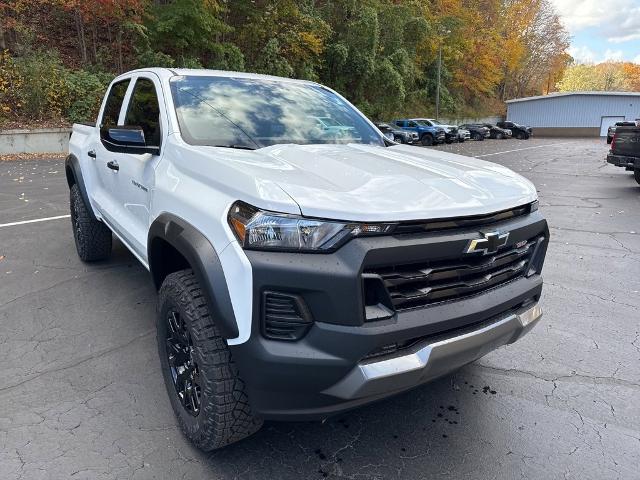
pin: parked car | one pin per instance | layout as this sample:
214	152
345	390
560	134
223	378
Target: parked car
477	131
497	132
301	271
612	129
520	132
397	134
451	131
463	134
427	134
625	149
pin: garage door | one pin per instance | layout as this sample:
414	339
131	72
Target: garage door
606	122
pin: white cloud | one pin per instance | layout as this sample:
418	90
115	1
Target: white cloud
617	20
626	38
637	59
582	54
615	55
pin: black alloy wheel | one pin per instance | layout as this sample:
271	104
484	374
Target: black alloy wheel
184	370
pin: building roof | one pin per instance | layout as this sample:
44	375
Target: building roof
565	94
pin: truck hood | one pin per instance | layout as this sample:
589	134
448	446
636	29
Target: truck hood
370	183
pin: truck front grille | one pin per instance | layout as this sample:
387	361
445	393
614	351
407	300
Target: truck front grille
420	284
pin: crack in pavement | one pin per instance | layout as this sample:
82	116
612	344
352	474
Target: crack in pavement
80	361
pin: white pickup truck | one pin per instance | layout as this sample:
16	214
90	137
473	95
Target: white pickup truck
302	269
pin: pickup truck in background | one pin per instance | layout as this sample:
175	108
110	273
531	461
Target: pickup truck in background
612	129
427	134
305	264
625	149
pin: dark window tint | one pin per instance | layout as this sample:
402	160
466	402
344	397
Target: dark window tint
399	123
413	124
144	111
114	103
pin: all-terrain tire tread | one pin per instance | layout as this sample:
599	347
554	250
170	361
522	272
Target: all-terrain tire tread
93	238
226	417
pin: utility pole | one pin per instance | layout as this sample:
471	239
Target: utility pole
438	84
443	34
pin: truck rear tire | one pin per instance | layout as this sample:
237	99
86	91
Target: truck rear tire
636	175
93	238
204	386
427	139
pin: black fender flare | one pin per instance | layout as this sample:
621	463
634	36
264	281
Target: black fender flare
204	262
74	177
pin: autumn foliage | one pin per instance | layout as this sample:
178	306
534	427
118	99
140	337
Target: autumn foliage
381	54
606	76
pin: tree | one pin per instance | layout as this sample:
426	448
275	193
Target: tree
606	76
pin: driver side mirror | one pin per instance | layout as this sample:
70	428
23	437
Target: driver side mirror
126	140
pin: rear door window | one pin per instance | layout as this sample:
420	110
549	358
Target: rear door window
114	103
144	111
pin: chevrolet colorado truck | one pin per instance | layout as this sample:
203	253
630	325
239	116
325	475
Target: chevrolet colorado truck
625	149
301	271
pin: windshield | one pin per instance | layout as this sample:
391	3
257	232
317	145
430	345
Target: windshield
255	113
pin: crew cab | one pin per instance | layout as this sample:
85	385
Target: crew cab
625	149
612	129
427	134
302	269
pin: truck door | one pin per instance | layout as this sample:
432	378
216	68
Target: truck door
136	171
101	178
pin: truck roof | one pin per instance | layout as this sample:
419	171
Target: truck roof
166	73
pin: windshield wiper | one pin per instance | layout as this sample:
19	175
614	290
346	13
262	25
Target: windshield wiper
239	147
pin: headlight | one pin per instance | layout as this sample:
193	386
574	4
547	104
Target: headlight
258	229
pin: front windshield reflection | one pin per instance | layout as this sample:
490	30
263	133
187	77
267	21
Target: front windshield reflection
250	113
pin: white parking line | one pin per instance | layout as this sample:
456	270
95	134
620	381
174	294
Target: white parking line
520	149
35	220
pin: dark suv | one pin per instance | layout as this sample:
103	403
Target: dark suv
520	132
477	131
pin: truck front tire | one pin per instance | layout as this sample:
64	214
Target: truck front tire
206	391
93	238
427	139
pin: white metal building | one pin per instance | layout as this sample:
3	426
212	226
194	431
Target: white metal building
587	114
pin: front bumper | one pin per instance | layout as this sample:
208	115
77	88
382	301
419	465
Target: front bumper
434	358
332	369
623	161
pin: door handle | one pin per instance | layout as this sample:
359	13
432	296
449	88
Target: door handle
92	153
113	165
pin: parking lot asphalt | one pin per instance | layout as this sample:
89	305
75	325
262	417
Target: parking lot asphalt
82	396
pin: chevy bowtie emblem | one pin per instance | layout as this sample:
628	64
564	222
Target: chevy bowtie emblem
491	242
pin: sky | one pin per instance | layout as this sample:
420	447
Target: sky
602	29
